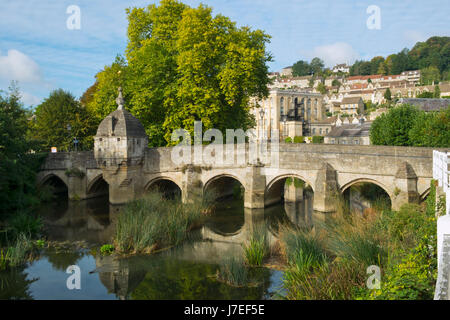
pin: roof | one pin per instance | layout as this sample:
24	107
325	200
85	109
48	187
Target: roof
427	104
121	123
350	130
351	100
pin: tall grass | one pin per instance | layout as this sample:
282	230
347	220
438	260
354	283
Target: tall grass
303	250
257	247
233	271
155	222
17	254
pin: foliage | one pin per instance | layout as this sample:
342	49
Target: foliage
431	57
17	166
426	95
317	139
155	222
431	129
392	128
303	68
429	75
257	247
233	272
388	94
182	65
288	140
107	249
299	139
25	223
54	115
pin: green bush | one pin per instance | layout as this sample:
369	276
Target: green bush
299	139
317	139
288	140
25	223
107	249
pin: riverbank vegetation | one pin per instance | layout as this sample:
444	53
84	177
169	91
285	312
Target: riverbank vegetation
19	196
155	222
330	261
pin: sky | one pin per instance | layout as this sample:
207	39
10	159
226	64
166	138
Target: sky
40	52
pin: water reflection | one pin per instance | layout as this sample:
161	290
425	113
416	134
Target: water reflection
185	272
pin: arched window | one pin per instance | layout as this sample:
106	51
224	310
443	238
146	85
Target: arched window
281	106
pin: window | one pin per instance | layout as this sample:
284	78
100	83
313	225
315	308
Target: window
281	106
320	131
326	130
356	141
314	130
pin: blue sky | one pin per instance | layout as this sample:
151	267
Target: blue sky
38	50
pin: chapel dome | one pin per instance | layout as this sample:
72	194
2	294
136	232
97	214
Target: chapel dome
121	123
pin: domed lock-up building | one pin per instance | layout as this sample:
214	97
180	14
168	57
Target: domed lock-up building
119	149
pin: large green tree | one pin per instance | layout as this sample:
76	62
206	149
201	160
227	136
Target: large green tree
183	64
17	166
392	128
431	129
55	116
301	68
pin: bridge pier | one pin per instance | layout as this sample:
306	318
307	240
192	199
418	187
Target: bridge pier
255	187
405	186
326	189
191	185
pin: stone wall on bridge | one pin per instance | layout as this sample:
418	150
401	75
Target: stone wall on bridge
403	172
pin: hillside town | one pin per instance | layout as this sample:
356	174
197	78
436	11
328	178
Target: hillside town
340	107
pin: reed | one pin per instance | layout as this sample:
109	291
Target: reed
257	247
233	272
155	222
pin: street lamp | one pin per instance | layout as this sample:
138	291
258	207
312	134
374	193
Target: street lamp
261	115
284	119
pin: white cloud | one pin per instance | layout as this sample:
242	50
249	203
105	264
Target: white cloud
339	52
18	66
29	99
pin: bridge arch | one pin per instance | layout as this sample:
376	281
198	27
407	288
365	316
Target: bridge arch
223	185
365	180
56	181
166	185
275	188
361	203
97	187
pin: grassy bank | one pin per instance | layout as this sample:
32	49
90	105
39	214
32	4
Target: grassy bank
155	222
331	260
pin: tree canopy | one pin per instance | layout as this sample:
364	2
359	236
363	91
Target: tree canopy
432	57
54	115
406	125
183	64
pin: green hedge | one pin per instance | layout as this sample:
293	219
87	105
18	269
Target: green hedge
317	139
299	139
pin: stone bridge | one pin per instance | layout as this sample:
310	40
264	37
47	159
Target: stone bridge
403	172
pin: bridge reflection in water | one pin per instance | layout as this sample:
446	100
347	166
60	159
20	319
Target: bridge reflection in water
222	235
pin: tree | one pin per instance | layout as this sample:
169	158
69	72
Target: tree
183	65
55	114
336	83
375	64
317	66
301	68
431	129
392	128
321	88
17	166
429	75
388	94
437	92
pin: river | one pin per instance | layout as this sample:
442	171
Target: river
184	272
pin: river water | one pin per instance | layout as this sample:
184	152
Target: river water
185	272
